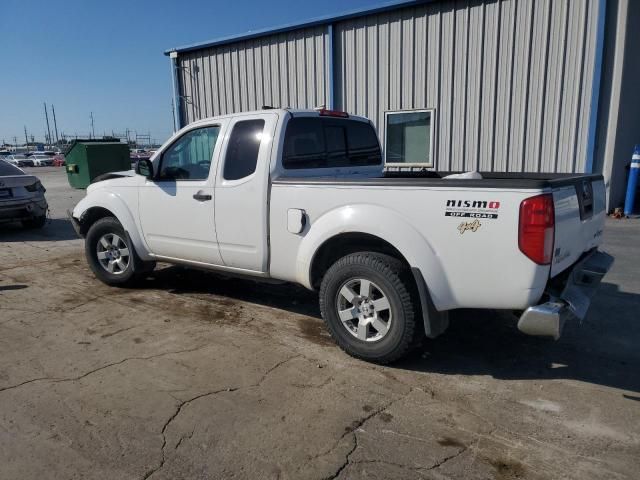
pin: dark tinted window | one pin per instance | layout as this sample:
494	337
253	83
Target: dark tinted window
304	144
6	169
363	145
242	152
317	142
336	144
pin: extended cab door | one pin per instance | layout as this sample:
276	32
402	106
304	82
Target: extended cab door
176	207
242	189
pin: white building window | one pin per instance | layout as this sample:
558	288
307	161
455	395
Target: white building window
409	135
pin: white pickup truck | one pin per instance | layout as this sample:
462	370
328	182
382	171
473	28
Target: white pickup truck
301	196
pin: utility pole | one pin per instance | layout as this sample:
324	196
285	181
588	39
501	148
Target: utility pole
93	131
55	125
46	116
26	139
15	142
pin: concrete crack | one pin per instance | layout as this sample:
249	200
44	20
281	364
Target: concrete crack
448	458
39	379
103	367
111	334
184	403
347	459
171	419
393	464
352	430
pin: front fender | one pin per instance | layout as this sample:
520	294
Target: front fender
387	225
109	200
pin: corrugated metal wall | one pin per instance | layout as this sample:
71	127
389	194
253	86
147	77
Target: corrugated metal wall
288	69
510	80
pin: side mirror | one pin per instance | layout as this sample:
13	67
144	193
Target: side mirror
144	167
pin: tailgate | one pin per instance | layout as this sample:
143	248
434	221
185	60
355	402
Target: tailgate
579	219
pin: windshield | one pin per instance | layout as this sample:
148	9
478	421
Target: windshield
6	169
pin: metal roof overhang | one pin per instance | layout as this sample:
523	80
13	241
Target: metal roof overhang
325	20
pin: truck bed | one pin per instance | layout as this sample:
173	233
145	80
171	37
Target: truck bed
436	179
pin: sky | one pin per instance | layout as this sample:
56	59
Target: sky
106	57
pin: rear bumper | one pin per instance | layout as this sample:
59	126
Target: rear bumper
22	209
548	319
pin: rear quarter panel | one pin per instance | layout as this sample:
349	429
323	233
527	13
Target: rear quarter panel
465	265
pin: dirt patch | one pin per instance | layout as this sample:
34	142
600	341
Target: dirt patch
507	469
350	428
450	442
314	331
386	417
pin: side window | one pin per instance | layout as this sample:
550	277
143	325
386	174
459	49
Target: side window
189	157
317	142
242	152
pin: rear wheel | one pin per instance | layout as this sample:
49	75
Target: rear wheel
367	301
110	254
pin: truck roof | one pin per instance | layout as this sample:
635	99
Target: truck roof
288	111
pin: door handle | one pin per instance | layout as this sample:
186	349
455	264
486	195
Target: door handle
202	197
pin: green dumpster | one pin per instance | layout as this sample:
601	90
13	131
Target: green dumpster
88	159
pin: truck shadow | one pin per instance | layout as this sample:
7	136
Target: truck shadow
56	229
190	282
603	350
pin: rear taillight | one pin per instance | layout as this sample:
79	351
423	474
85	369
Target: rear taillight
536	228
34	187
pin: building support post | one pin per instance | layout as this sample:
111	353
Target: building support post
175	83
330	70
595	88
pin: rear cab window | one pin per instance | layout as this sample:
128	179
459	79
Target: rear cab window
324	142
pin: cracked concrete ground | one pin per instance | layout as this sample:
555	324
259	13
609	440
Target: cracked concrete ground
195	375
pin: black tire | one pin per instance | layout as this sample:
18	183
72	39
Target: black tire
395	281
35	222
135	267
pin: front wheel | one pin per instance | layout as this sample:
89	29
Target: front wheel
110	255
367	301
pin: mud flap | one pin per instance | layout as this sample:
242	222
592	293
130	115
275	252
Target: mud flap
435	322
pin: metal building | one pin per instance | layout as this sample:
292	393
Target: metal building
500	85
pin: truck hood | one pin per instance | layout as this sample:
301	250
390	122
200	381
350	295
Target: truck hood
116	179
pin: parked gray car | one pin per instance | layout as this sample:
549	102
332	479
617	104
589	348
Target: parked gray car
21	197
